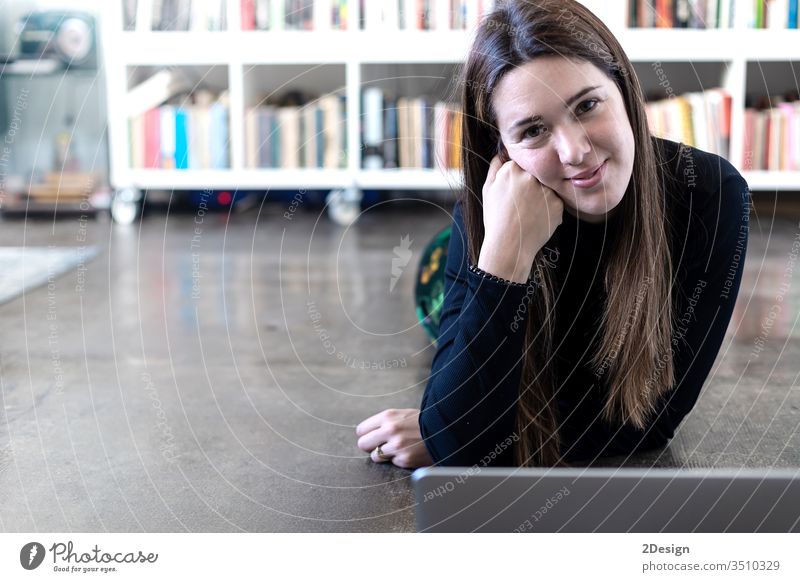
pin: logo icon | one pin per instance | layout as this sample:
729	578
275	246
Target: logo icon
31	555
402	255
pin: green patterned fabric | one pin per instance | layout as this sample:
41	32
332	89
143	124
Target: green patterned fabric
429	292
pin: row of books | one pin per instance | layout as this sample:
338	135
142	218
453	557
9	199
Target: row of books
408	132
294	14
191	134
778	14
681	13
423	14
174	125
771	137
701	119
181	15
295	136
199	15
773	14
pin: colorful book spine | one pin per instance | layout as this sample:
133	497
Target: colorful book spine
263	144
248	10
218	136
167	137
698	14
702	120
423	14
298	136
772	136
390	134
275	15
413	133
152	137
181	139
320	137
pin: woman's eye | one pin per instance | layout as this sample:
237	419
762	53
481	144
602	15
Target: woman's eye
534	131
582	109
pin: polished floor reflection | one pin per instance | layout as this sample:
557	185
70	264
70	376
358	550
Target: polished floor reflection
206	372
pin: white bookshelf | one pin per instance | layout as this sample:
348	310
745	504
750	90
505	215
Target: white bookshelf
727	54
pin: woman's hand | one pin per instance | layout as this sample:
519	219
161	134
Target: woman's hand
520	215
398	434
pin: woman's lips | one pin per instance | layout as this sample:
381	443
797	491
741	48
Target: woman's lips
591	180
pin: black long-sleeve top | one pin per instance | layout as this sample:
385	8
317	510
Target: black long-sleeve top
469	405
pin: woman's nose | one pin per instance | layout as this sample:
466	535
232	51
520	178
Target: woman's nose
573	145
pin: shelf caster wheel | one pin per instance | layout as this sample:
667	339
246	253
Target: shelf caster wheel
126	205
344	206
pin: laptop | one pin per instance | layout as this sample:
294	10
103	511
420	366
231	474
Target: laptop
507	499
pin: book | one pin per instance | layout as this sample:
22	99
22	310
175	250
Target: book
372	128
288	118
772	135
152	138
415	132
776	14
218	134
440	135
324	15
136	141
144	15
334	130
129	9
402	132
681	15
749	130
699	119
759	129
277	15
455	150
248	11
698	14
251	137
390	153
167	137
181	138
265	137
155	90
426	137
188	135
298	133
309	145
262	14
423	14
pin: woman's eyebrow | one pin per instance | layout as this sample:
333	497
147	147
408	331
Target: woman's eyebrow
567	104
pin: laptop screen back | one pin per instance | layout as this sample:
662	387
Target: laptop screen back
452	499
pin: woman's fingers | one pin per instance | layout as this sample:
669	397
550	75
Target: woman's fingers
494	167
370	424
369	441
390	415
397	433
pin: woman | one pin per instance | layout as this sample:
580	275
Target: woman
592	270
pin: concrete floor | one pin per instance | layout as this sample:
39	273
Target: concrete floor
206	373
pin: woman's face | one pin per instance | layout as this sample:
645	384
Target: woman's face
559	121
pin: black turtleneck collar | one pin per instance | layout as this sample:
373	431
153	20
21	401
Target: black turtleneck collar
595	230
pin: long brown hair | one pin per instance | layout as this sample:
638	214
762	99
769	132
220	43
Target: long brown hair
636	324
